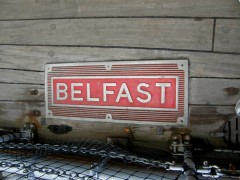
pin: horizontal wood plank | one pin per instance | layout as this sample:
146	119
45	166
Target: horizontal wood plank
201	91
34	58
14	114
33	9
18	76
203	120
214	91
21	92
227	37
123	32
13	111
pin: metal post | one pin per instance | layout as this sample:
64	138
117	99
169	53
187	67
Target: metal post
190	172
98	167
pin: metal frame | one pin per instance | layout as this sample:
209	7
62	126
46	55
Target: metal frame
182	65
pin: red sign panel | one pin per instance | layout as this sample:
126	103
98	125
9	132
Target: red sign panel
132	92
140	92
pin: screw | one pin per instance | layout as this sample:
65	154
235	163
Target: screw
34	92
51	53
205	163
225	29
36	113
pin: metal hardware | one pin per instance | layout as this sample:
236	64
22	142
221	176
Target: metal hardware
121	142
27	133
60	129
87	147
95	148
98	167
237	108
9	137
179	143
217	134
232	131
132	77
190	169
159	130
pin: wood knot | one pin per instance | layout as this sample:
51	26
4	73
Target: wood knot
231	91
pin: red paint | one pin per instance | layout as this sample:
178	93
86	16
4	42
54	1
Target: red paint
144	92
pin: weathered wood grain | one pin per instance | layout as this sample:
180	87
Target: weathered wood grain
31	9
14	114
13	111
200	114
214	91
18	76
34	58
21	92
121	32
201	91
203	120
227	37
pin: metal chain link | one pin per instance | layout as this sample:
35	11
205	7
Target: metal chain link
47	171
84	147
87	147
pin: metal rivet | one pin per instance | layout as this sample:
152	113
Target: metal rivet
225	29
205	163
109	117
108	67
202	40
51	53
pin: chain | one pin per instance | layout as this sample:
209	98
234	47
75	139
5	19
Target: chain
87	147
83	147
33	172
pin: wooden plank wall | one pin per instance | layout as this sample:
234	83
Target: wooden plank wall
36	32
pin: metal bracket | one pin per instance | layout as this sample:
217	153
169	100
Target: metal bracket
217	134
27	133
180	142
98	167
237	108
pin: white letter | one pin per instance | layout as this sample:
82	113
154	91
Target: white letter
105	92
149	96
73	91
127	93
89	98
63	91
163	87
